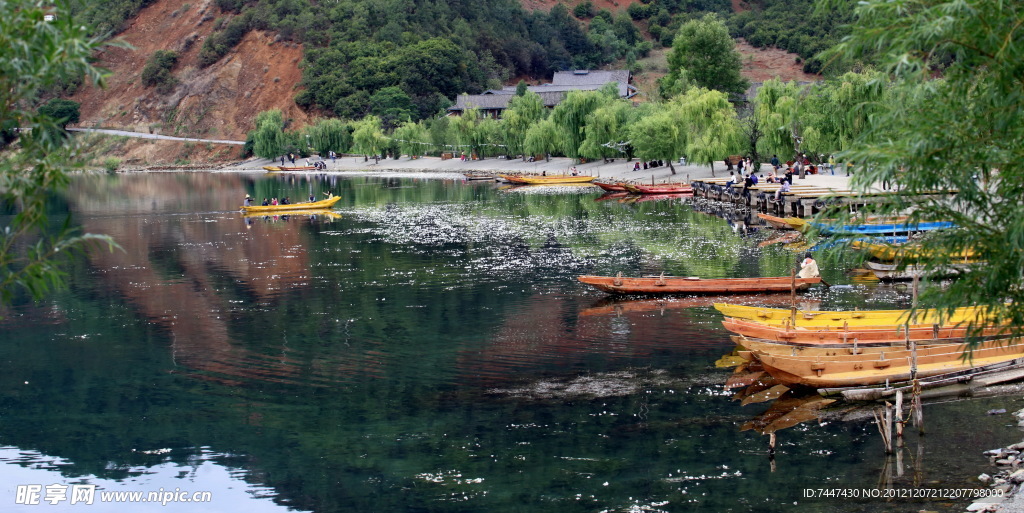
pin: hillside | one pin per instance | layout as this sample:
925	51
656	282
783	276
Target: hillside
261	73
220	101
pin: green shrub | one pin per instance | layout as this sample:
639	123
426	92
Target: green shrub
157	72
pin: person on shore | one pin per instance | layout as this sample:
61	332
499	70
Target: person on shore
832	164
775	162
282	160
636	166
808	267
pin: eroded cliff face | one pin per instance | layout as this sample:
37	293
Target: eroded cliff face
217	102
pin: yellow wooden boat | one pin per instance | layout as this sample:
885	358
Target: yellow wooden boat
324	213
860	370
893	252
272	209
823	318
753	346
550	179
845	335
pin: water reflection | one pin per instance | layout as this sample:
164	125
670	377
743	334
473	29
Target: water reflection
429	349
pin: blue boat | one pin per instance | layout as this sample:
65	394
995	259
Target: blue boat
880	229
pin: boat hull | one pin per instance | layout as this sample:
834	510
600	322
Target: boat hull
542	180
855	335
289	168
846	372
809	318
270	209
678	285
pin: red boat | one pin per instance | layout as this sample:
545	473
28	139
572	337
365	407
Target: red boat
611	187
694	285
665	188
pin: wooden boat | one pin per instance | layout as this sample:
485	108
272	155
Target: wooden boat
870	228
776	222
289	168
857	334
271	209
550	179
820	318
893	252
694	285
961	384
324	213
472	177
845	372
665	188
611	187
893	272
753	346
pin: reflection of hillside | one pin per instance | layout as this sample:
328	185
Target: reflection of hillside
183	290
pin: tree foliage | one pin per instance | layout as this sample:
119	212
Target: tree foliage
62	112
704	49
157	71
963	132
37	54
268	137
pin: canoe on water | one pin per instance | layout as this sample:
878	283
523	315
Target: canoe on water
752	346
694	285
870	228
289	168
860	370
550	179
270	209
820	318
611	187
665	188
893	252
856	334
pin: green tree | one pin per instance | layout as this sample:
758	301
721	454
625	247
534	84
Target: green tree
470	131
392	106
712	127
708	54
523	112
37	55
963	132
659	136
606	132
330	135
777	109
61	111
571	116
268	136
412	138
368	138
157	71
543	138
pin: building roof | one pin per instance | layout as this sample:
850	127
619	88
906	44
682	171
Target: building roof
498	100
553	93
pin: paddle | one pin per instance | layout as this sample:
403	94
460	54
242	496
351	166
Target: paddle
825	283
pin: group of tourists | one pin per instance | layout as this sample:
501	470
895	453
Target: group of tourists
274	201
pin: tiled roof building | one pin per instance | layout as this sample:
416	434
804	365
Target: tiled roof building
494	101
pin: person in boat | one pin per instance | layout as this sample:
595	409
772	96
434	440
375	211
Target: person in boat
808	267
312	198
328	194
265	202
273	201
284	201
248	201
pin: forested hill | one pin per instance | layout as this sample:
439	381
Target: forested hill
408	58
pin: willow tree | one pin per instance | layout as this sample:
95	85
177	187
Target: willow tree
659	136
544	137
524	110
777	109
328	135
367	136
963	133
37	55
571	116
606	131
471	131
412	138
837	111
268	137
712	126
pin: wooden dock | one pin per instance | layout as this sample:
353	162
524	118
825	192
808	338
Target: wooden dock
800	201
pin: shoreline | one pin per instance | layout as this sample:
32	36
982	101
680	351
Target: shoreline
616	170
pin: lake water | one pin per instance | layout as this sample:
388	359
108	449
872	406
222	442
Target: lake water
428	349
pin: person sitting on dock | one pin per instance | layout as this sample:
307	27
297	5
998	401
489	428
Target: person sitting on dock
808	267
782	190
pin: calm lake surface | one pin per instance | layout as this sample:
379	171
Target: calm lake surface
428	349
